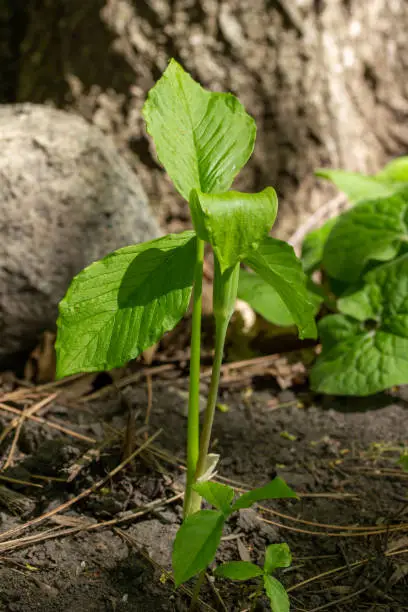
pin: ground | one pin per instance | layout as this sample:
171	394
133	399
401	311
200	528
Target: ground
339	455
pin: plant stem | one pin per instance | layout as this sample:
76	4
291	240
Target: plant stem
225	292
192	501
220	333
255	600
196	591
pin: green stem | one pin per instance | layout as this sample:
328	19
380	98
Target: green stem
225	293
220	333
196	591
192	501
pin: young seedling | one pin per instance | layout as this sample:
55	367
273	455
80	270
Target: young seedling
199	536
120	306
276	556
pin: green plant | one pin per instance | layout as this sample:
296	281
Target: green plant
199	536
362	258
276	556
119	306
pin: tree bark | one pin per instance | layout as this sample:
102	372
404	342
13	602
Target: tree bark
326	81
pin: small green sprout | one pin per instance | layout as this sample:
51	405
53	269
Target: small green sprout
276	556
199	536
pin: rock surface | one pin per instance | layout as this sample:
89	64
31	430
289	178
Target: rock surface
67	198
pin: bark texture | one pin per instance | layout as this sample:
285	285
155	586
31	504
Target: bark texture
326	80
67	198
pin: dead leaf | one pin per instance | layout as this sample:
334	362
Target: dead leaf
243	551
40	366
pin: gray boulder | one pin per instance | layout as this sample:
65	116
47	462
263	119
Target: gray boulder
67	198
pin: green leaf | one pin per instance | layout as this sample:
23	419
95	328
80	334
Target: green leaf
202	139
121	305
396	171
313	246
265	300
364	357
276	489
362	304
372	230
277	594
233	223
276	262
238	570
219	495
277	555
357	186
196	543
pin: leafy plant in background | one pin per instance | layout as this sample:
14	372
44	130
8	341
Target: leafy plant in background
276	556
362	257
120	306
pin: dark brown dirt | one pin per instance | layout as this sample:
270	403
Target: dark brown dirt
334	453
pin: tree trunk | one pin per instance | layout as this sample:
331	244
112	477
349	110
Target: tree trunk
326	81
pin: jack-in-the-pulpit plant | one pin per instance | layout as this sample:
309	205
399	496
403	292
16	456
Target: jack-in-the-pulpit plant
120	306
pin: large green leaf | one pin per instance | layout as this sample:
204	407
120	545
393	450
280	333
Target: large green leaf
266	301
368	351
276	262
372	230
239	570
121	305
276	489
196	543
219	495
313	246
277	555
357	186
277	594
396	171
233	223
202	139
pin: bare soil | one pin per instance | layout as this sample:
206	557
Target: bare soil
339	455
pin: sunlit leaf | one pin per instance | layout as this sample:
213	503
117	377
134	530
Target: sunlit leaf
276	489
121	305
276	262
202	138
233	223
